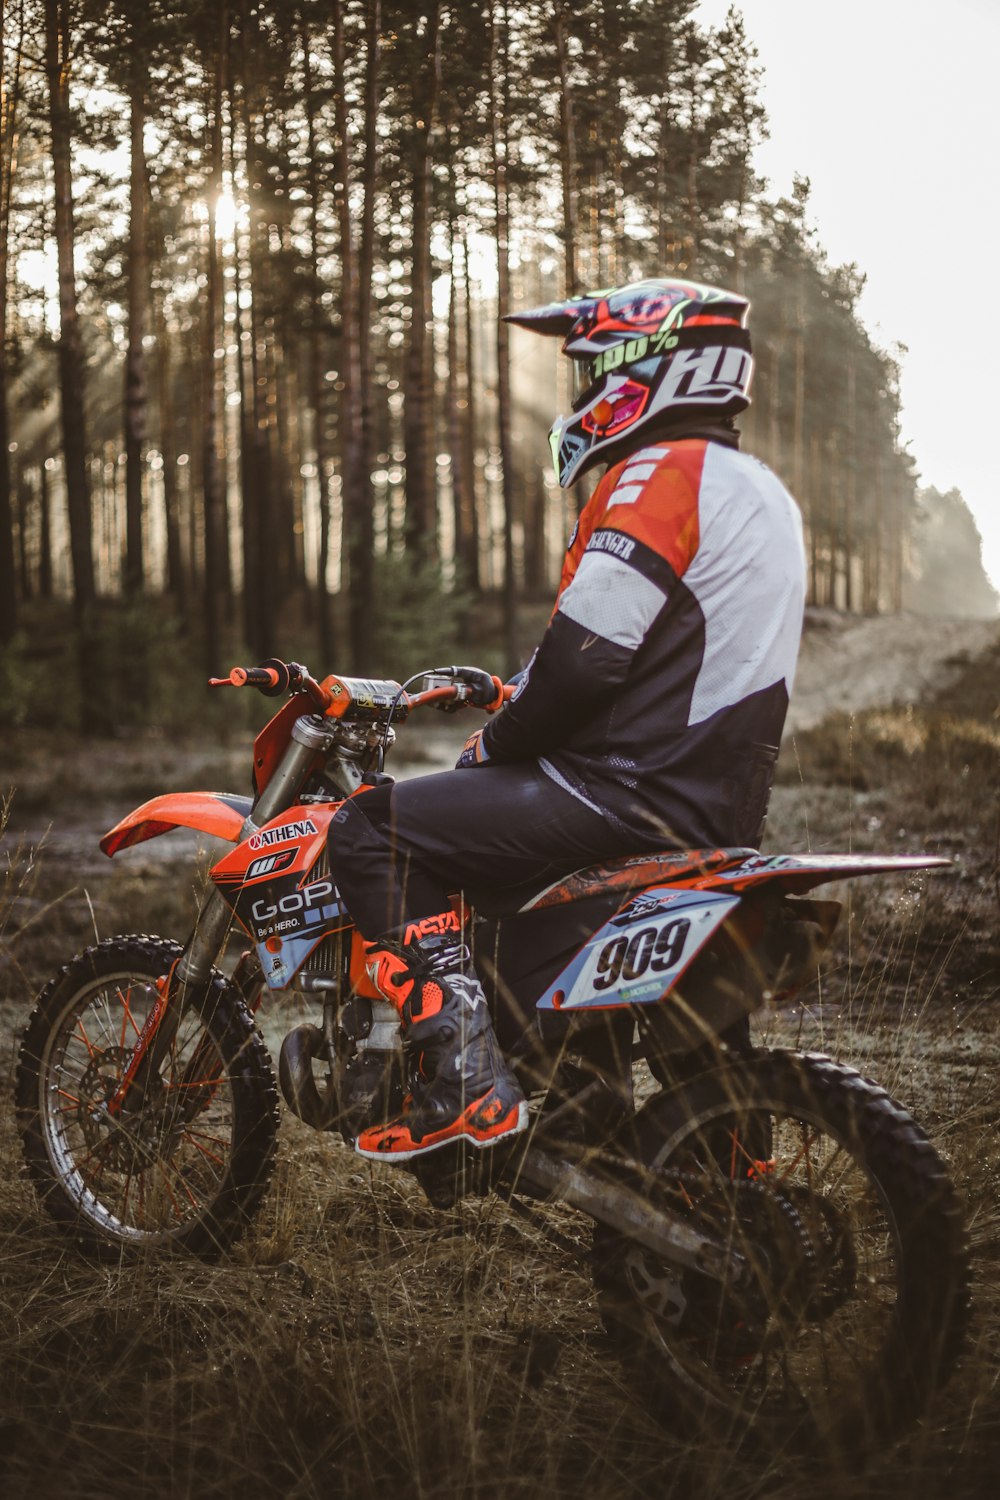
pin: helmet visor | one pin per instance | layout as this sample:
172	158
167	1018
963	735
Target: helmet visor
581	380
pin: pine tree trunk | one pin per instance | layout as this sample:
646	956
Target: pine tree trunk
135	358
878	526
261	583
418	408
8	588
9	104
361	536
285	449
44	533
829	488
23	492
354	480
774	409
612	190
164	376
71	367
850	483
254	598
567	152
694	150
469	434
665	246
814	511
499	115
176	583
899	496
798	406
459	507
317	384
212	487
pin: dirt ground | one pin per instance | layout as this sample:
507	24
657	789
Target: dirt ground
851	662
359	1342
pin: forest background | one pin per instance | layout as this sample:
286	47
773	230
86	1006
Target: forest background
256	396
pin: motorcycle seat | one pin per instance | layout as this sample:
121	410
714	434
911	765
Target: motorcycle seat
629	872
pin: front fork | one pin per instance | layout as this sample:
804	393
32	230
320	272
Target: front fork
193	969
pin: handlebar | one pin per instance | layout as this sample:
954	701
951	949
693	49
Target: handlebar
469	685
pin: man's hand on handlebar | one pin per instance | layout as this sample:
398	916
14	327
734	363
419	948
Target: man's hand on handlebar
485	690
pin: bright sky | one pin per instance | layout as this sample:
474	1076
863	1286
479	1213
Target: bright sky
892	109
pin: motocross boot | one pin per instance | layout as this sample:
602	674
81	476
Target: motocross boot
461	1089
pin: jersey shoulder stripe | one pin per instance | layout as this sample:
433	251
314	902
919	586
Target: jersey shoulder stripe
655	499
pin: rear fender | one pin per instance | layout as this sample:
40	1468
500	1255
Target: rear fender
798	873
218	813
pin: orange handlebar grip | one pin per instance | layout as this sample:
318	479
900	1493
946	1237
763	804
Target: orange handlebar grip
259	677
501	697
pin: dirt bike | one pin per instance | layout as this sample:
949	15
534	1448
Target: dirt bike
777	1247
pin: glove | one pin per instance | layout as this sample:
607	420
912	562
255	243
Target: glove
486	690
474	752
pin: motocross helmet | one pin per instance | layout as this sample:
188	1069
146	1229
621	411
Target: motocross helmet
643	354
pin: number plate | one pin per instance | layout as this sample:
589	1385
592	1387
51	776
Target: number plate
639	954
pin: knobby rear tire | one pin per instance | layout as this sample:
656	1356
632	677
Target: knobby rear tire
897	1179
236	1163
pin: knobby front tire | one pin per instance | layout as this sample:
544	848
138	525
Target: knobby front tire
186	1167
854	1298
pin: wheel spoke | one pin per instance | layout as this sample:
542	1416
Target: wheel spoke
188	1136
85	1038
127	1017
215	1139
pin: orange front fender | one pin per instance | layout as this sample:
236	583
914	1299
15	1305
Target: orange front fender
219	813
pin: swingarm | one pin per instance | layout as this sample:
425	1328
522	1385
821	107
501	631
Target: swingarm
539	1174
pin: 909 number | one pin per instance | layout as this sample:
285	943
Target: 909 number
629	957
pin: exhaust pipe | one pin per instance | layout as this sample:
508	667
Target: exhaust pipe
298	1084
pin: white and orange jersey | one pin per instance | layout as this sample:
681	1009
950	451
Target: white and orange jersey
659	691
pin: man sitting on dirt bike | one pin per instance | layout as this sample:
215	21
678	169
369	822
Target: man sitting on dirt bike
649	716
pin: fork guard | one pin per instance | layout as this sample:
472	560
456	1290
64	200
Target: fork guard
220	814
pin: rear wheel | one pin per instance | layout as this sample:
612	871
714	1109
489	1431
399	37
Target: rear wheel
185	1166
849	1307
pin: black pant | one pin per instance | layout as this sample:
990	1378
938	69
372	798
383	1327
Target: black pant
397	852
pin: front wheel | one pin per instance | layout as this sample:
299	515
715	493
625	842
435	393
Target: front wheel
183	1167
849	1306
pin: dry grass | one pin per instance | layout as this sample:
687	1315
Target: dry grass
360	1343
